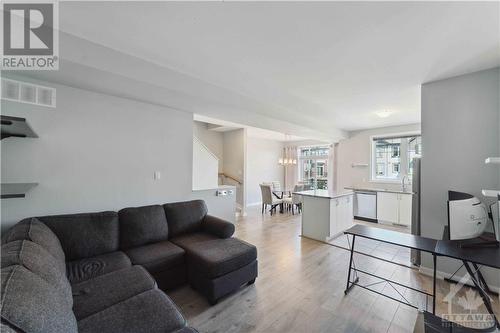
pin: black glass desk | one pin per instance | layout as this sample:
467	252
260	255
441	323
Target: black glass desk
470	257
395	238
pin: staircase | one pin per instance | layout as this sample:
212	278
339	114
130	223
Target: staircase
205	166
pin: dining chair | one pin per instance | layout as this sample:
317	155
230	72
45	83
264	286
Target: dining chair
277	190
276	185
293	200
268	199
297	199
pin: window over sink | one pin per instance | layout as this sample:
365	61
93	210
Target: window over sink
392	156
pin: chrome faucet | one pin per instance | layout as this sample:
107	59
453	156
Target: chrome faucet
403	183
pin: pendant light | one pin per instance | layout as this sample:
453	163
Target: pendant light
286	159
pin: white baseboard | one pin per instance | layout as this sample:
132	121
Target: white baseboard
442	275
239	211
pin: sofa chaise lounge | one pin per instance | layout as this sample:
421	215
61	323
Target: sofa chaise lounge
105	272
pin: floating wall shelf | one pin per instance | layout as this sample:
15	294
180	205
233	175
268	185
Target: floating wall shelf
359	165
490	193
16	127
19	128
15	190
492	160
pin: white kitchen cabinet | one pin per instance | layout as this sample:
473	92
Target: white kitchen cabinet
405	203
347	212
326	214
334	208
341	214
387	207
394	207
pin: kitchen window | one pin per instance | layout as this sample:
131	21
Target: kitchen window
380	169
392	156
395	151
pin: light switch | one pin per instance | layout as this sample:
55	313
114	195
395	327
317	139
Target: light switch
157	175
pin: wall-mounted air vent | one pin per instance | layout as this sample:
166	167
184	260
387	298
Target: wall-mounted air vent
28	93
10	90
24	92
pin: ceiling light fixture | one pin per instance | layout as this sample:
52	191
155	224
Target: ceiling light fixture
286	159
383	114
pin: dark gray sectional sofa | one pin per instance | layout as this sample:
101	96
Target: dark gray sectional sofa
103	272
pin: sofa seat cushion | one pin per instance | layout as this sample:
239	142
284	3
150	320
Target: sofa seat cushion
142	225
33	305
157	257
37	260
85	235
149	312
214	257
34	230
85	269
99	293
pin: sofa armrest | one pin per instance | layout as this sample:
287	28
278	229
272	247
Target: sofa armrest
217	227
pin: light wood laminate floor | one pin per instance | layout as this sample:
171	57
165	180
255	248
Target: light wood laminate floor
301	285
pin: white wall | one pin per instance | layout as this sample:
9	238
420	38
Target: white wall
356	149
205	167
234	160
262	166
221	206
305	143
460	128
96	152
212	139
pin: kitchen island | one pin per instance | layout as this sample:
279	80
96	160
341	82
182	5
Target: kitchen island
325	214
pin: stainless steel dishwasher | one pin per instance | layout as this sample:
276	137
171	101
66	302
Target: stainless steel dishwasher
365	206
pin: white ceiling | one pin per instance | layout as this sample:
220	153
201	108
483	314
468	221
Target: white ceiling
254	132
336	61
312	69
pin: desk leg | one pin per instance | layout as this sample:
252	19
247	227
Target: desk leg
434	284
481	279
349	285
482	293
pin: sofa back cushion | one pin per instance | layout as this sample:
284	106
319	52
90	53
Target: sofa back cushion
85	235
36	259
142	225
185	217
31	304
34	230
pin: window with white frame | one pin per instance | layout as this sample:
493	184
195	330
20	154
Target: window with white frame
313	166
392	156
